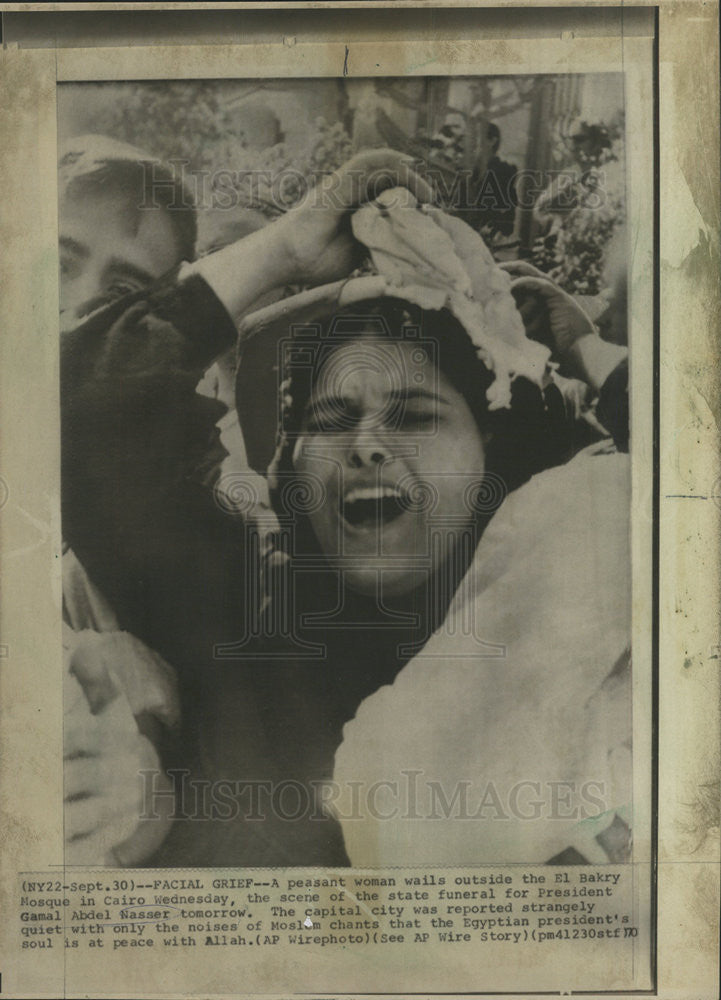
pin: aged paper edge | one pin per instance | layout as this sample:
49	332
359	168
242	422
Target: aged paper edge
689	598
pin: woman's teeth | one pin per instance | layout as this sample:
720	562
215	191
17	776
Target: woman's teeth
371	493
368	506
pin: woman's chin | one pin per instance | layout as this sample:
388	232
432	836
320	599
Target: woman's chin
382	581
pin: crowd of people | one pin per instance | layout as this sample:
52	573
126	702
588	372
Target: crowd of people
429	574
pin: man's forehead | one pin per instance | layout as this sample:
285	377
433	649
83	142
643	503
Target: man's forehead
111	206
148	188
106	227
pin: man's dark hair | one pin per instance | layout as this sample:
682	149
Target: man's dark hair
494	135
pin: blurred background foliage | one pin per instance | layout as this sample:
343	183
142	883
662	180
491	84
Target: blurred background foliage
253	148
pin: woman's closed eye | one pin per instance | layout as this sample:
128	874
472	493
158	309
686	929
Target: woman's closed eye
406	415
414	416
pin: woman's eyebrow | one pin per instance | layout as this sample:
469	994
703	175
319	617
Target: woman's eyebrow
416	392
333	403
340	404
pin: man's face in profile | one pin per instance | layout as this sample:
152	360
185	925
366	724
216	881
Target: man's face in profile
109	246
454	125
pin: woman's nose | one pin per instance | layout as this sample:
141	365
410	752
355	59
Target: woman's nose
368	448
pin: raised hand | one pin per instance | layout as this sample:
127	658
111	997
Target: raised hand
312	243
317	237
554	318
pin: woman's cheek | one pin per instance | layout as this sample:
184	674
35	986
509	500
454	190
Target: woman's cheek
449	451
323	477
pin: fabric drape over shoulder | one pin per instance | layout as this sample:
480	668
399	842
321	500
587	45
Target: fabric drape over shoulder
508	738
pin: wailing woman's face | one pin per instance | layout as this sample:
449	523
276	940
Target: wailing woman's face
400	458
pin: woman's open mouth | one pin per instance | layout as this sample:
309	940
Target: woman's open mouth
370	506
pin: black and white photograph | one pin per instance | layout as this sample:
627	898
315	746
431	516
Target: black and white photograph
359	498
345	471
